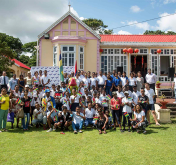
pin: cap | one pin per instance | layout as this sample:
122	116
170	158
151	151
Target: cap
126	92
114	93
26	86
28	72
47	90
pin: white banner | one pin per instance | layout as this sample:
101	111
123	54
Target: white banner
53	72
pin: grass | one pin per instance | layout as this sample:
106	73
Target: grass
36	146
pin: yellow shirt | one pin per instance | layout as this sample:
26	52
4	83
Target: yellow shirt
5	98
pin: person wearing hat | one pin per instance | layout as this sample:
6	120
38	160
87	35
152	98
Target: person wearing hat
48	100
127	104
28	79
115	109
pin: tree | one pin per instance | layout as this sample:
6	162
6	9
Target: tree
97	25
14	44
29	48
6	54
24	59
158	32
32	61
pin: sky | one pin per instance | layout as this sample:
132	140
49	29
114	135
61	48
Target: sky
26	19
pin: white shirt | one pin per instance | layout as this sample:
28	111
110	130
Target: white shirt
101	80
76	99
89	113
2	80
86	82
52	93
104	98
77	119
132	81
121	94
126	108
93	81
33	101
98	100
124	80
81	77
150	93
45	79
78	80
151	78
40	115
66	102
82	91
40	77
139	115
175	82
17	94
135	96
130	93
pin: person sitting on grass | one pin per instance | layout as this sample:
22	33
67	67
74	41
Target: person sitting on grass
52	117
38	117
64	120
102	122
139	119
77	122
89	114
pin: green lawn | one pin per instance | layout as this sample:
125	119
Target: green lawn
36	146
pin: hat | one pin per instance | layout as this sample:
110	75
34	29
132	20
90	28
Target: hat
28	72
26	86
126	92
114	93
34	95
47	90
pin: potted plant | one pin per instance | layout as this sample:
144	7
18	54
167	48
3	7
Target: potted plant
163	103
158	84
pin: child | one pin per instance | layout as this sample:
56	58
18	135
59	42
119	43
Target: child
83	104
104	100
127	104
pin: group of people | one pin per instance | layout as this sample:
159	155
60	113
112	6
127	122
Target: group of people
83	99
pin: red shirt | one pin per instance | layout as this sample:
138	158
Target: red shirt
116	102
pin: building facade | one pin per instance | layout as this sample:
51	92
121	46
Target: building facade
74	40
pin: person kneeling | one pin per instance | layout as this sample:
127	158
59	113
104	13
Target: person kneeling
139	119
102	122
38	117
64	120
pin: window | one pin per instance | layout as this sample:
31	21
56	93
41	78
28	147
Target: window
68	55
55	56
81	58
143	51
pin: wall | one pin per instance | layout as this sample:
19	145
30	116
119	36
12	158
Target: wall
18	70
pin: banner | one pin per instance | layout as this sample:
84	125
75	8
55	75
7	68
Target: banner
52	72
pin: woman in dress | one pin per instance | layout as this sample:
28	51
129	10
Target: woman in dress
28	79
21	83
140	81
36	79
132	81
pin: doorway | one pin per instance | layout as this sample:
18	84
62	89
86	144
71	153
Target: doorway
139	66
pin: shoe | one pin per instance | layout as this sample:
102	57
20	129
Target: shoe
124	129
121	130
114	129
129	130
75	132
30	125
144	132
50	130
174	102
80	131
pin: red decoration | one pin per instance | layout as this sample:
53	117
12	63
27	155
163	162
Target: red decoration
159	51
125	51
163	103
135	61
142	61
130	50
136	50
101	51
158	85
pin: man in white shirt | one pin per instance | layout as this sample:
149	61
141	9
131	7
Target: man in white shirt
45	79
89	114
135	95
77	122
151	79
151	94
86	81
81	75
93	80
100	80
4	80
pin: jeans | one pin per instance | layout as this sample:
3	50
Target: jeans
89	121
128	118
77	126
43	121
3	118
27	122
116	115
108	91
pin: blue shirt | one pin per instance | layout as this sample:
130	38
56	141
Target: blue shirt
12	83
109	83
112	76
64	89
116	81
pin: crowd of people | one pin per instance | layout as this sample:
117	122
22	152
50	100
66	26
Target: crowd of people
102	101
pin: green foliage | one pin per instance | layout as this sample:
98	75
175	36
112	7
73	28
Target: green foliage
97	25
29	48
158	32
13	43
24	59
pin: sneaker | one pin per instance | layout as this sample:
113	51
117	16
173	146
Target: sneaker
75	132
54	129
144	132
129	130
50	130
30	125
80	131
121	130
124	129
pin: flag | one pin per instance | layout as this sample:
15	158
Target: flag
108	97
95	118
17	100
0	98
79	93
126	114
61	69
103	102
75	67
117	106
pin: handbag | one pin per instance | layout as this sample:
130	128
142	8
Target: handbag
20	113
10	117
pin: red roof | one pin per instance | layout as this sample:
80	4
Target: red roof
138	38
20	64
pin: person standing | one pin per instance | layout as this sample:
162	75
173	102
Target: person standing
151	79
40	76
132	81
4	80
45	79
151	95
116	81
28	79
36	79
174	86
13	82
4	107
100	80
21	83
140	81
109	85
